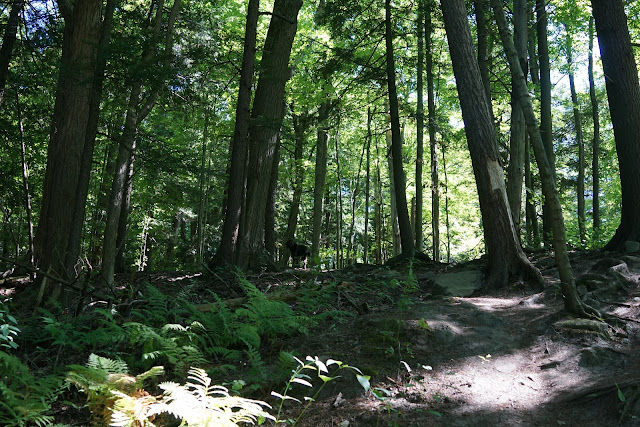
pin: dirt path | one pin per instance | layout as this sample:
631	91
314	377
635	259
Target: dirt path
491	360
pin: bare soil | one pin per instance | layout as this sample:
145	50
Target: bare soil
513	358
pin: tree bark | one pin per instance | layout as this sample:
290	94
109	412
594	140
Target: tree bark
266	116
406	236
623	92
595	115
25	180
68	135
367	191
228	248
505	259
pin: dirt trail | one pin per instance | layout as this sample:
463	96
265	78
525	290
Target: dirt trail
488	360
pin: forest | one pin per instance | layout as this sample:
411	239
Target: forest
330	212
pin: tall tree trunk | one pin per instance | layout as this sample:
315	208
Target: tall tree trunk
367	190
266	117
572	302
202	208
533	234
546	126
25	180
595	114
270	211
483	48
68	134
433	145
623	92
75	237
339	210
320	177
8	40
420	128
505	259
377	213
139	107
228	248
395	229
299	128
515	169
406	236
577	118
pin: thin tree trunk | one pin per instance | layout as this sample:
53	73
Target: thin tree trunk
367	190
530	206
419	128
320	176
227	251
595	114
377	213
515	170
406	235
8	40
299	128
433	145
395	229
25	180
577	118
339	229
139	107
270	211
203	179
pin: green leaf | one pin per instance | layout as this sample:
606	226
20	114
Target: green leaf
364	381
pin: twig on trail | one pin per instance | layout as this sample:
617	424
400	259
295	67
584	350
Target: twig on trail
219	278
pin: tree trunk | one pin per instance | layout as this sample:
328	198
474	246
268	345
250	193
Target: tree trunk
266	117
419	128
406	236
339	210
299	129
228	248
8	40
505	259
546	126
395	229
572	302
515	170
577	118
533	234
595	114
25	180
431	108
623	92
320	177
270	211
68	135
202	208
483	48
377	213
367	190
139	107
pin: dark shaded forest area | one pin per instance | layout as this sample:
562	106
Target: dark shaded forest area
338	212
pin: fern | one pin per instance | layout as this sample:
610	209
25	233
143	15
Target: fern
25	399
108	385
200	403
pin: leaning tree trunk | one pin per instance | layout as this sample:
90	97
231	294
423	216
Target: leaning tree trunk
623	91
266	116
236	186
68	134
406	236
572	302
505	259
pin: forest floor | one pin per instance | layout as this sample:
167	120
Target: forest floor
504	358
